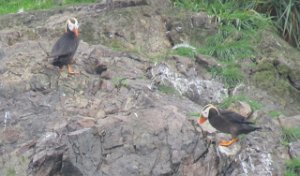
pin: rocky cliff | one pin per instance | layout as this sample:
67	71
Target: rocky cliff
134	118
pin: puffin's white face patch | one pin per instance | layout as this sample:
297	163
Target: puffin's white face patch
72	24
205	110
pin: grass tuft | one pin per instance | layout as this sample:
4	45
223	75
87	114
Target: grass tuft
290	134
230	74
275	114
10	172
228	101
183	51
119	82
167	89
286	17
193	114
292	167
13	6
237	22
238	26
243	15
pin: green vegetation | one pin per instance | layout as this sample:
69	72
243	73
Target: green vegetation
184	51
167	89
119	82
238	28
10	172
274	114
286	16
156	58
229	73
243	14
292	167
239	24
193	114
13	6
228	101
290	134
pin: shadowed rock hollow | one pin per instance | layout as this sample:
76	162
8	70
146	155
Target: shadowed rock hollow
120	121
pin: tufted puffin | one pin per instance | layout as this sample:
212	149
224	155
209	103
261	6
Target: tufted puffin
66	46
227	122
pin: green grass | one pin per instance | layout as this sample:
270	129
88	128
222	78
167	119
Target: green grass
193	114
228	101
238	29
290	134
237	22
292	167
274	114
183	51
242	14
230	74
10	172
167	89
13	6
119	82
286	17
229	44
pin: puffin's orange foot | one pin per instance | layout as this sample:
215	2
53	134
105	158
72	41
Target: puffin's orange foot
228	143
70	70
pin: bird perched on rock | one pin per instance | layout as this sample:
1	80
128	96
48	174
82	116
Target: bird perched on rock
66	46
226	122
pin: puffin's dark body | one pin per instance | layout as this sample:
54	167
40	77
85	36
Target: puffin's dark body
64	49
230	122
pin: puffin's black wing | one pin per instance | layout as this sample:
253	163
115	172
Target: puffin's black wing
234	117
66	45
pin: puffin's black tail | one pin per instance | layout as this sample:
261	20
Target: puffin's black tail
249	128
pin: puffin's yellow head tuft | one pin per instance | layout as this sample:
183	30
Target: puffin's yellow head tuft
205	110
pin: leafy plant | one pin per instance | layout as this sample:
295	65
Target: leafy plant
292	167
228	101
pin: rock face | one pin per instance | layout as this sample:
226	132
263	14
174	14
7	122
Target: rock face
113	118
277	71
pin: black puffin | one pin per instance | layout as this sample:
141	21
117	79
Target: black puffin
66	46
226	122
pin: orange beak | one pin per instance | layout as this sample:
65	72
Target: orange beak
75	31
201	120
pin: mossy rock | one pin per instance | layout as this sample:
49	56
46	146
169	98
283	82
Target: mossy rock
283	70
265	65
273	78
